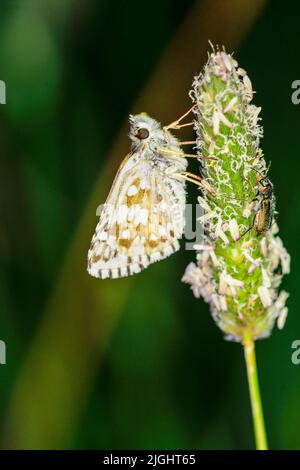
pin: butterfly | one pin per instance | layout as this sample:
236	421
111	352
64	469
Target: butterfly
144	214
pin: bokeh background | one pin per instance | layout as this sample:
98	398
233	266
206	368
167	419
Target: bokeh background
131	363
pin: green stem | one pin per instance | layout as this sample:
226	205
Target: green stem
256	405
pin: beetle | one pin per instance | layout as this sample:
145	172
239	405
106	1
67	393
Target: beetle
265	205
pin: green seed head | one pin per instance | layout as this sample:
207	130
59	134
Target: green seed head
242	260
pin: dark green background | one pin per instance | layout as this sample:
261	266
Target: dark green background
166	378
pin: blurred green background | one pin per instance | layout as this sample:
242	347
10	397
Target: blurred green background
131	363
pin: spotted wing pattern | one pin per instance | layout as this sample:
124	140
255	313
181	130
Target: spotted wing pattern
140	223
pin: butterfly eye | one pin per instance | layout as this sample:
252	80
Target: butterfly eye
142	133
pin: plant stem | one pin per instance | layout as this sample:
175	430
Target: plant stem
256	405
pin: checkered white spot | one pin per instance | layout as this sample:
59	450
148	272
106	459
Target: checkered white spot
143	217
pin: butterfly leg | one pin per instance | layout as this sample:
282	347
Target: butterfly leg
176	124
182	155
196	179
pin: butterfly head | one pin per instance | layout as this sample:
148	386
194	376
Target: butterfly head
144	130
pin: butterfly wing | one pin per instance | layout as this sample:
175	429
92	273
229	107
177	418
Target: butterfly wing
140	223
